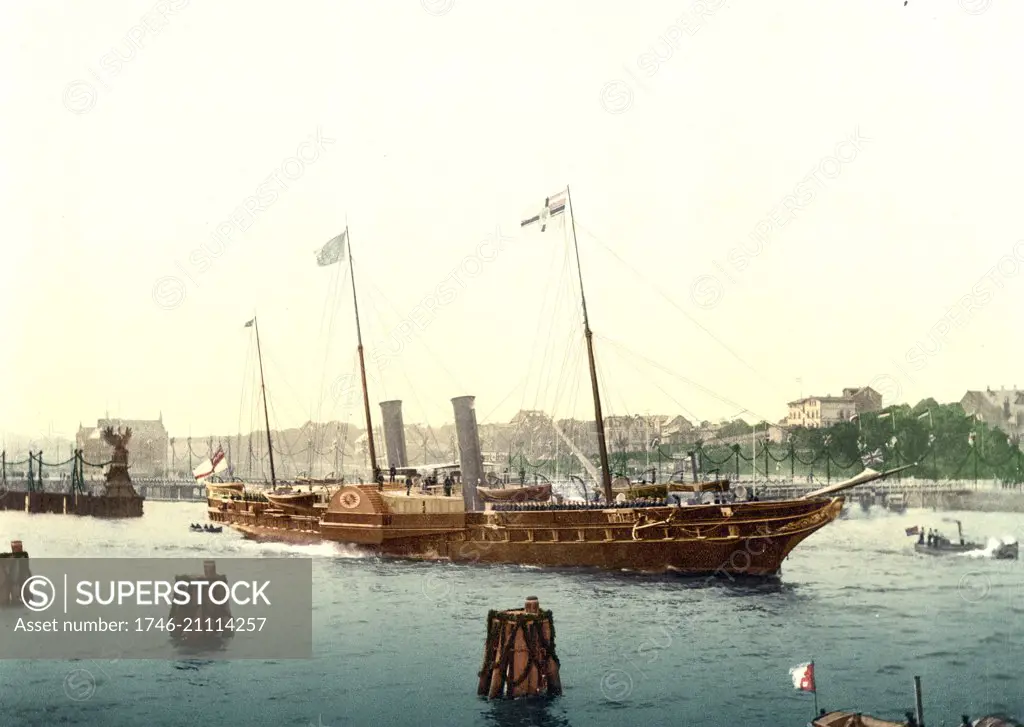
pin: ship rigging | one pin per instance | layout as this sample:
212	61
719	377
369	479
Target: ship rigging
704	529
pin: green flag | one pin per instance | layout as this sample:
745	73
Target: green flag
333	250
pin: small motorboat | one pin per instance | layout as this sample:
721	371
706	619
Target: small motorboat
896	502
941	545
197	528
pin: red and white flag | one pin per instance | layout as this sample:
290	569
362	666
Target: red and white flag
553	205
219	463
803	677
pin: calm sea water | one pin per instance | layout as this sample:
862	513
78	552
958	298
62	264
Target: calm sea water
400	643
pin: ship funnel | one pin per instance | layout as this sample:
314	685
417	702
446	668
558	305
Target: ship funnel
471	461
394	433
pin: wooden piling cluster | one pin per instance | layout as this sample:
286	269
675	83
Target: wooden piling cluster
200	619
14	571
519	656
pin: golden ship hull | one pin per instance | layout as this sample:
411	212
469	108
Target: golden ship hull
742	538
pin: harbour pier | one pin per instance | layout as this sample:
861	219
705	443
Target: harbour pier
119	499
154	489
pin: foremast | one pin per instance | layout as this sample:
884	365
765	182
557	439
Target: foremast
602	447
266	415
362	361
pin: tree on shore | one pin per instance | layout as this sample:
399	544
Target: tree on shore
942	439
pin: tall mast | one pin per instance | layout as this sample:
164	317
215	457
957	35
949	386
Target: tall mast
602	447
362	361
266	416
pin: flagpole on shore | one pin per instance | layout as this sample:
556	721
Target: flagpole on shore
814	683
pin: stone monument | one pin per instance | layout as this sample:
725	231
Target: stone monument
119	497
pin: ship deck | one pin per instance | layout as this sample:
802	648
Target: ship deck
748	537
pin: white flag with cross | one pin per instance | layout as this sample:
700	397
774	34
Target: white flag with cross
553	205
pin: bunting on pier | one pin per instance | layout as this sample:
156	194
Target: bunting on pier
554	205
333	250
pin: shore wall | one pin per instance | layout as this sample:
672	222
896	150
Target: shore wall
980	501
56	503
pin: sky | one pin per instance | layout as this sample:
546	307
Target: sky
769	202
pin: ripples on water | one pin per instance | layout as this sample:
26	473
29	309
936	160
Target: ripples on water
400	643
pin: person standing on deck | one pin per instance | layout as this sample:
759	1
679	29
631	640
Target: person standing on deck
408	486
392	473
